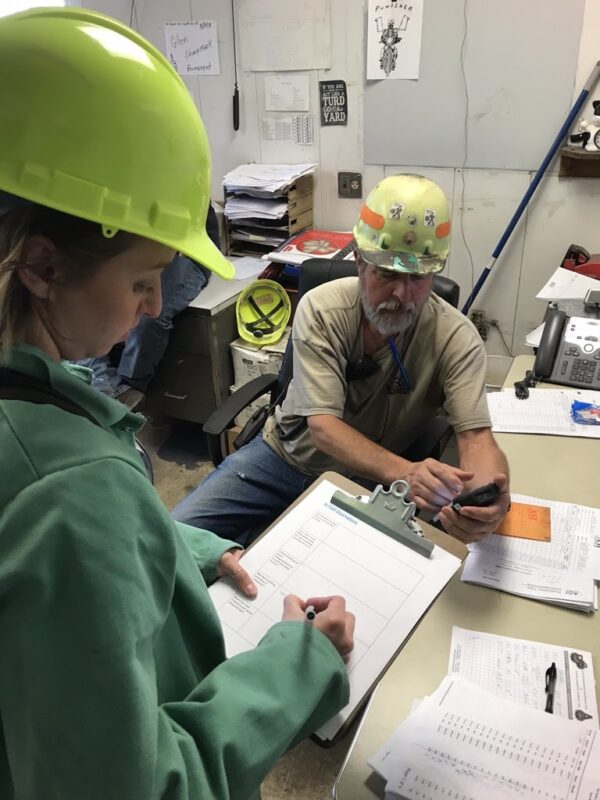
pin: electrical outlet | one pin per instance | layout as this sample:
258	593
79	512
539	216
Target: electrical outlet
481	322
349	184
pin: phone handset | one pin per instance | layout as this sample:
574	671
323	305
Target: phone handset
549	343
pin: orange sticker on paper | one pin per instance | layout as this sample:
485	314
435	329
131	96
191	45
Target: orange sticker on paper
524	521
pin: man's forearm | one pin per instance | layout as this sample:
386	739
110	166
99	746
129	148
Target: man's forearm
479	453
355	451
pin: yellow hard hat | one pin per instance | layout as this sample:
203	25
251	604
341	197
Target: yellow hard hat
263	309
404	225
97	124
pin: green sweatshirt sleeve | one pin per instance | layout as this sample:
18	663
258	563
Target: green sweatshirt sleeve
90	580
206	548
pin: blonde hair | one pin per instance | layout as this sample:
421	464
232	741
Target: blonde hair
81	248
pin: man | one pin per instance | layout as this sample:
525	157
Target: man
127	370
375	357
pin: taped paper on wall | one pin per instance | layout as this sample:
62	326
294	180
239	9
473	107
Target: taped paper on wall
192	48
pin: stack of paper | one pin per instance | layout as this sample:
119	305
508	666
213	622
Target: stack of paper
243	207
265	180
464	742
566	284
515	669
545	411
561	571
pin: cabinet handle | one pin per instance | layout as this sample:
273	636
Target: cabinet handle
175	396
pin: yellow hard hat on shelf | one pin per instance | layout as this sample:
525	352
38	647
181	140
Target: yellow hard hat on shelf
263	309
97	124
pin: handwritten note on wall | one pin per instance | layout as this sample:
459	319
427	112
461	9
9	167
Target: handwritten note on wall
192	47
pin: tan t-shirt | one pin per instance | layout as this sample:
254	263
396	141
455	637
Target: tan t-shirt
445	360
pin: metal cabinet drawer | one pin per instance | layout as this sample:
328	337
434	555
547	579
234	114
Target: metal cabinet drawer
191	333
184	387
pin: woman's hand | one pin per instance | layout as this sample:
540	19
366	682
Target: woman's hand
230	567
331	619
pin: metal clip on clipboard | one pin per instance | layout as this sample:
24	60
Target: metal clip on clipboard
390	513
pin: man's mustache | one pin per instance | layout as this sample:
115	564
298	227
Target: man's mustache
393	306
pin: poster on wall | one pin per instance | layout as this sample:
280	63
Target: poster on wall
192	47
394	39
278	36
334	103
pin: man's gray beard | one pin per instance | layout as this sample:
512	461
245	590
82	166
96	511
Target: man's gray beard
391	317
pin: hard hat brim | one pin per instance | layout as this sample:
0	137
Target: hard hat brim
408	263
201	248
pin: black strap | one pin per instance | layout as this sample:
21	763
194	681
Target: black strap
16	386
263	319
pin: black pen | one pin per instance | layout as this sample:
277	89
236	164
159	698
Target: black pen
310	613
550	686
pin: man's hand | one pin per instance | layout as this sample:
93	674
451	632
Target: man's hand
229	567
472	524
332	619
433	484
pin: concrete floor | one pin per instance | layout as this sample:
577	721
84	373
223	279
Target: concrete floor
180	462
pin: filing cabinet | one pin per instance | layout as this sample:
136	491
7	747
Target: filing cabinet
195	374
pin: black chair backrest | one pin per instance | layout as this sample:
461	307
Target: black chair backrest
316	271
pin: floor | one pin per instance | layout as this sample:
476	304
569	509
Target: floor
180	461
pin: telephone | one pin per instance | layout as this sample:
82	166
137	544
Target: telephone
569	351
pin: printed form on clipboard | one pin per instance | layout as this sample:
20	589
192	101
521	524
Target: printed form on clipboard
318	549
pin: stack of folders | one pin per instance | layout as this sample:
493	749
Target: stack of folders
470	742
562	571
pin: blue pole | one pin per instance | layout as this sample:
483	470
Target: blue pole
533	185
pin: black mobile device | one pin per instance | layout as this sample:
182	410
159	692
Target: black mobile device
482	496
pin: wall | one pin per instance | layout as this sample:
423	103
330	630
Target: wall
563	210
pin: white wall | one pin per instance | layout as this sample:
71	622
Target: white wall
563	210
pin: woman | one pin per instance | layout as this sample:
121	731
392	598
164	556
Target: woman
113	678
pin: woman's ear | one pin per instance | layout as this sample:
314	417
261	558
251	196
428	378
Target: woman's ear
37	272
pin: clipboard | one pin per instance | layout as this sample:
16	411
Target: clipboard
380	513
340	549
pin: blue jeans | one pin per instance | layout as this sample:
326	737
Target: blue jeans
134	367
247	491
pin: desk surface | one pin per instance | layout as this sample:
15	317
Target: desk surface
557	468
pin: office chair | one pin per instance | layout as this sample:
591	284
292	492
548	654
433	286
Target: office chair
314	272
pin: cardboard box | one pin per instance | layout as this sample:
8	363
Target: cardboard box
231	435
250	361
243	417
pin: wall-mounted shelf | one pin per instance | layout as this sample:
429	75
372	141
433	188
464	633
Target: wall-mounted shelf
575	162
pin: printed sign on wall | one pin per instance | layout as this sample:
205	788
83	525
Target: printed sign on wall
334	102
192	47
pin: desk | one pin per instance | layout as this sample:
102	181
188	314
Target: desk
558	468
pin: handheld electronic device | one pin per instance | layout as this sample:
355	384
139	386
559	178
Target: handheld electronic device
482	496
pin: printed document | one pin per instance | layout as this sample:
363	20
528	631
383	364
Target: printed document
545	411
515	669
463	742
561	571
319	550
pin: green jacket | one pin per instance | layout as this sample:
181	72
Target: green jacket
113	678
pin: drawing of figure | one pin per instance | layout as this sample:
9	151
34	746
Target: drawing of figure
389	52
